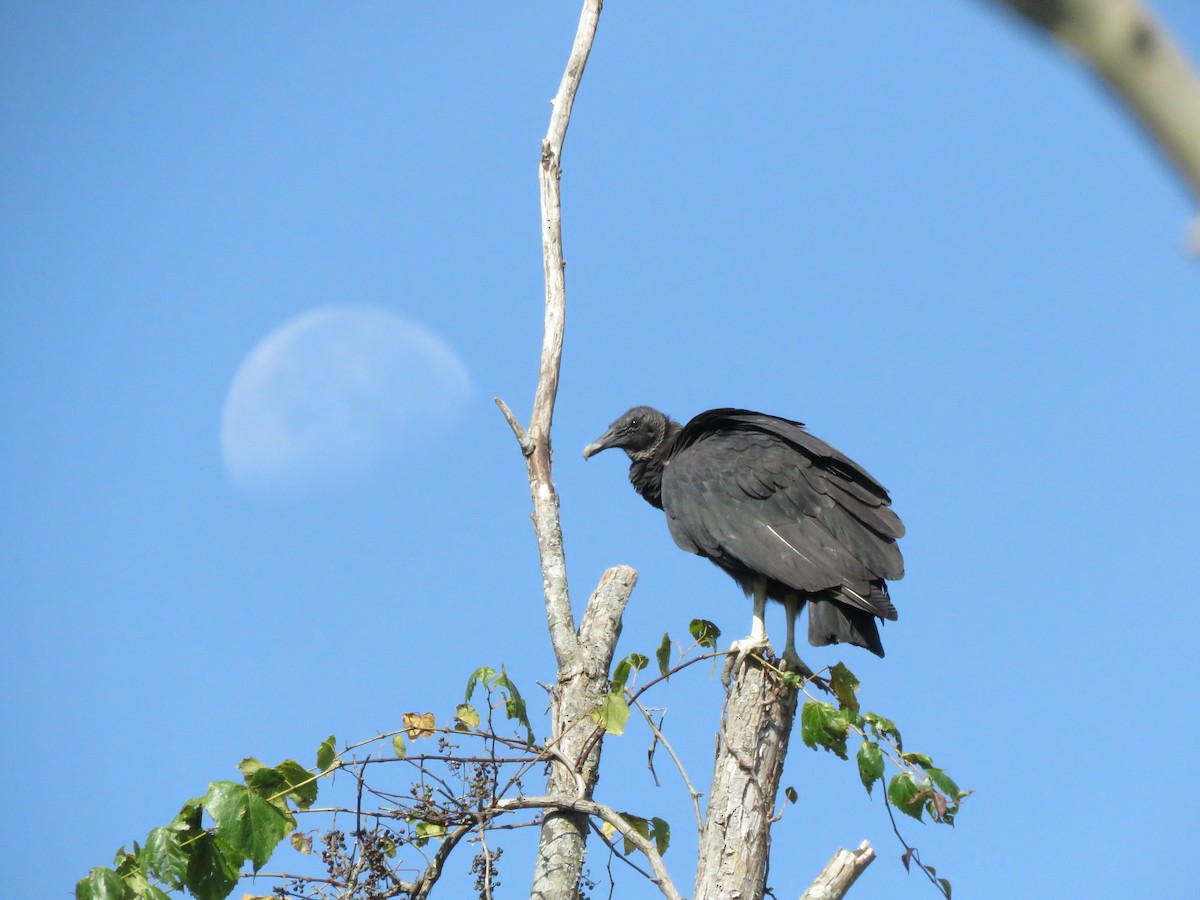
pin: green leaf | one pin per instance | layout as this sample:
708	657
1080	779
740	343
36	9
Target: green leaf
907	795
302	786
790	793
327	753
514	704
427	830
634	662
945	887
101	883
845	687
249	766
389	846
613	713
212	867
660	833
399	747
483	674
705	633
164	858
270	786
870	763
822	725
883	728
245	822
620	675
467	716
917	759
638	824
287	781
663	655
127	865
944	783
187	821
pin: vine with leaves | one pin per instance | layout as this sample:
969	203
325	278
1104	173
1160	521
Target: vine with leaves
415	804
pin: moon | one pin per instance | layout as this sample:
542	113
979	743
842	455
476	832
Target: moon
331	395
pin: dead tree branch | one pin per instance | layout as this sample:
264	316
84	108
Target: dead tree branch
1135	57
584	656
840	873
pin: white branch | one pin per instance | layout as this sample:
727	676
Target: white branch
840	873
1139	61
537	447
583	657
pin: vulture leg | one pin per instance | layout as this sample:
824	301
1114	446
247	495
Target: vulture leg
757	641
791	659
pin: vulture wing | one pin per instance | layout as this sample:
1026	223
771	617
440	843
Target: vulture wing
761	497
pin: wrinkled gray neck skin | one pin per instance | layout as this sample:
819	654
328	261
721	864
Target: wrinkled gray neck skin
646	468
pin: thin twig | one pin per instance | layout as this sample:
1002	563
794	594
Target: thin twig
487	862
613	852
911	852
658	736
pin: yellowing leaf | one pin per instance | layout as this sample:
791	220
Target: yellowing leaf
467	715
426	830
419	725
612	714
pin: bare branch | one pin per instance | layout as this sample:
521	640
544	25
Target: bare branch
591	808
661	738
522	436
583	658
601	625
545	500
840	873
549	174
424	884
1139	61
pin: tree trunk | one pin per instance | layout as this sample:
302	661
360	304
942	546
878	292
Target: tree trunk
751	745
578	693
584	656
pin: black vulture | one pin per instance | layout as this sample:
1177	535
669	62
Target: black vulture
784	513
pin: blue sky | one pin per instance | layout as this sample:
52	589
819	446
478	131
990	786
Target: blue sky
923	231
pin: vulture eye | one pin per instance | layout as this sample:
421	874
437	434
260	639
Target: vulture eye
634	424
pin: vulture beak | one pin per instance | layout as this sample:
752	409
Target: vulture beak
601	443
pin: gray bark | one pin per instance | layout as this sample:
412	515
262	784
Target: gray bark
840	873
751	745
581	686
